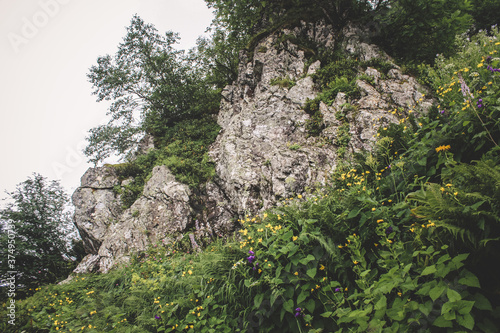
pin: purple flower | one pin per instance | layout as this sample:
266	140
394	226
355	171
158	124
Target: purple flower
251	259
388	230
298	309
493	69
338	290
298	312
251	252
442	111
157	317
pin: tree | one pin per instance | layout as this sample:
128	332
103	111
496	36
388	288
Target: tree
250	17
41	225
151	85
418	30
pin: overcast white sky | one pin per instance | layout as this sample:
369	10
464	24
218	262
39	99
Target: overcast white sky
47	47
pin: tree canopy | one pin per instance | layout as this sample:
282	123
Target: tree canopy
38	218
151	85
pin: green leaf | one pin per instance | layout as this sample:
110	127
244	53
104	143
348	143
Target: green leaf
437	291
441	322
429	270
447	307
443	259
353	213
311	305
465	123
381	303
458	259
326	314
482	303
307	259
302	296
311	272
466	321
258	300
453	295
273	298
469	279
288	306
278	271
464	307
288	235
425	308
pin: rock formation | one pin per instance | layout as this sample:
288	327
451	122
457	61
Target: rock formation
263	153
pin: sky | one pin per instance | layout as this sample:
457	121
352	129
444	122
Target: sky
46	101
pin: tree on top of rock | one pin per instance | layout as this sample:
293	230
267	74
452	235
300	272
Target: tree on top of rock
151	86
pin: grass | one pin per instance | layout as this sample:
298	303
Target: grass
402	240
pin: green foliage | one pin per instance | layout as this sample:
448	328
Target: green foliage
218	56
314	125
417	30
251	17
404	240
183	150
485	13
34	238
151	85
283	82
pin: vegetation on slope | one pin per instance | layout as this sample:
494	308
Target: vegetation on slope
404	240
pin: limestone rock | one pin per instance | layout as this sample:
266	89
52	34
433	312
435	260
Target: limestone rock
159	213
262	154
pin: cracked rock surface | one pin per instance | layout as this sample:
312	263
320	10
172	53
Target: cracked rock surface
263	153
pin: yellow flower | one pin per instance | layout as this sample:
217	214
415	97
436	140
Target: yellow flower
294	238
190	272
299	196
479	65
296	273
321	267
442	148
374	209
355	262
378	221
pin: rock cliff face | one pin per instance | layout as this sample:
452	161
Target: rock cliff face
263	153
